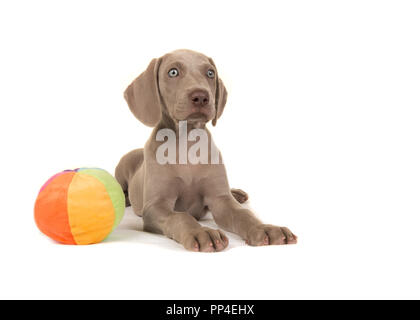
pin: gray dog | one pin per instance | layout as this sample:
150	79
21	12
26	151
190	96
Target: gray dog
183	87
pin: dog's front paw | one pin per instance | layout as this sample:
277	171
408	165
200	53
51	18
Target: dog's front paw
205	240
267	234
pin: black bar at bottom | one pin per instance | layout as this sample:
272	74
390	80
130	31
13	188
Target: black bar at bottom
215	309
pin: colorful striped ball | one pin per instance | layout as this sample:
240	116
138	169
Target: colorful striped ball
81	206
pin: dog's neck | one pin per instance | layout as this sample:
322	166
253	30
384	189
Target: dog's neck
166	122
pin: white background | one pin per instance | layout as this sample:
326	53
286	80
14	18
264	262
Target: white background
321	128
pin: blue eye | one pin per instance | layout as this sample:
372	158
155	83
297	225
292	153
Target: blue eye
173	73
210	73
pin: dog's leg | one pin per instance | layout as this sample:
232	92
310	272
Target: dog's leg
126	168
183	228
230	215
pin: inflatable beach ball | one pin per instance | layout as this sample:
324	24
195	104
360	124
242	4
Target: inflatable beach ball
81	206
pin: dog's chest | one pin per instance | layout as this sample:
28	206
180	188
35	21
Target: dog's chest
190	197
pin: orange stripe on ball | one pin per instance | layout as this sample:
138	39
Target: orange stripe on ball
51	209
90	210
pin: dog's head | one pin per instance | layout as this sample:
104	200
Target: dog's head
183	85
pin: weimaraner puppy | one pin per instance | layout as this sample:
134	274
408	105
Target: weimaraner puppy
183	87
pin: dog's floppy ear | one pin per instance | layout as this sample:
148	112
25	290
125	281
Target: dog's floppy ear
221	96
143	95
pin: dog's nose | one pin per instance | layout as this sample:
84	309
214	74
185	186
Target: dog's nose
199	98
